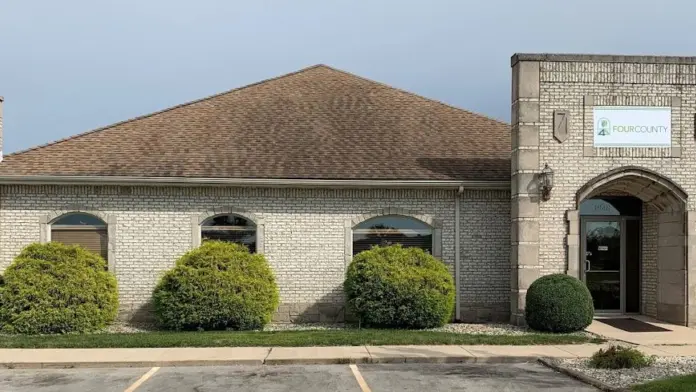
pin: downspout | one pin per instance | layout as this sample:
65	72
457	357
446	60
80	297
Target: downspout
457	284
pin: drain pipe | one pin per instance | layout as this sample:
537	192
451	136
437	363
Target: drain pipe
457	284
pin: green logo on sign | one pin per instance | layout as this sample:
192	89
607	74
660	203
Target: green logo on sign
604	126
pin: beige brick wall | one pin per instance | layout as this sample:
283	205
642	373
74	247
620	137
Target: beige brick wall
564	86
304	235
544	84
485	255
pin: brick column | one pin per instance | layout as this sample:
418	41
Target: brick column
524	256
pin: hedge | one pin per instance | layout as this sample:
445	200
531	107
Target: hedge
217	286
399	287
56	288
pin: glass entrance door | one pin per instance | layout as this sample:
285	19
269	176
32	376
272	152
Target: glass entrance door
603	263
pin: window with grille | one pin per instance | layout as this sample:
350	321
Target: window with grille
231	228
392	229
81	229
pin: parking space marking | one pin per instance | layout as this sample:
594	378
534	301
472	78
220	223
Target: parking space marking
142	379
359	378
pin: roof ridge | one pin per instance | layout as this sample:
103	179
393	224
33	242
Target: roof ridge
414	94
106	127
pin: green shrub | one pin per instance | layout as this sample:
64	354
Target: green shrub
618	357
217	286
55	288
558	303
399	287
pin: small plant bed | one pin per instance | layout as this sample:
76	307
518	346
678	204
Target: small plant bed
620	357
635	378
671	384
345	337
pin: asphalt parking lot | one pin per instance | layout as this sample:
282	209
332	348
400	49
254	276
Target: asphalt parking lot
310	378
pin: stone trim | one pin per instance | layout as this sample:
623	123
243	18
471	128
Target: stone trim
674	260
573	244
111	225
71	209
435	224
197	221
600	58
672	269
561	125
46	221
691	268
524	189
227	210
661	192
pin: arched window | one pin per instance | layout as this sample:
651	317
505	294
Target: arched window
232	228
609	205
392	229
81	229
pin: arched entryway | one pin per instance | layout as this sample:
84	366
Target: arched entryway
627	241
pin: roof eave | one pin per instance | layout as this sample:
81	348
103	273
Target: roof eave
251	182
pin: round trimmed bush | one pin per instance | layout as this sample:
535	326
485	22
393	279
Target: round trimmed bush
399	287
558	303
217	286
56	288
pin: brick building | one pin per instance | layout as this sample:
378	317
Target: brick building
311	167
637	185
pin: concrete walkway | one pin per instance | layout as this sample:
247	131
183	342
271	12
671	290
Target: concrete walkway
149	357
676	334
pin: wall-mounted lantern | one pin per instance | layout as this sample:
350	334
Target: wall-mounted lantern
546	182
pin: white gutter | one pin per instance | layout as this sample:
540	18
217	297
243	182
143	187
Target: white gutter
251	182
457	283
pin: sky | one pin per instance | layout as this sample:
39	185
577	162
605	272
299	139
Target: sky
73	65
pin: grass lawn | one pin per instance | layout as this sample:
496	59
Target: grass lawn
354	337
671	384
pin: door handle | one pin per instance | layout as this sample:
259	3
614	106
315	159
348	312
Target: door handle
587	265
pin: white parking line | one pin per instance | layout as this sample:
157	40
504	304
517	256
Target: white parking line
142	379
359	378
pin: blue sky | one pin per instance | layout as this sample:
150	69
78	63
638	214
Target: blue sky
73	65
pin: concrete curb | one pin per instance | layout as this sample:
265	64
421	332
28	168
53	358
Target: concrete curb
257	356
396	359
579	376
127	364
269	362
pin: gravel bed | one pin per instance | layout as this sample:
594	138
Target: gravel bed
143	328
130	328
486	329
303	327
622	378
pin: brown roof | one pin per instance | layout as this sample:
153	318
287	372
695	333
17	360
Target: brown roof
317	123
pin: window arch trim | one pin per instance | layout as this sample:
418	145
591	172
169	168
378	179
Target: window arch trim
56	221
46	223
198	220
435	224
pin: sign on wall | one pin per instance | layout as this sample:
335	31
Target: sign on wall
632	126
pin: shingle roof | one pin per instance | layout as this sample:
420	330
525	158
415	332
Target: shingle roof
317	123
